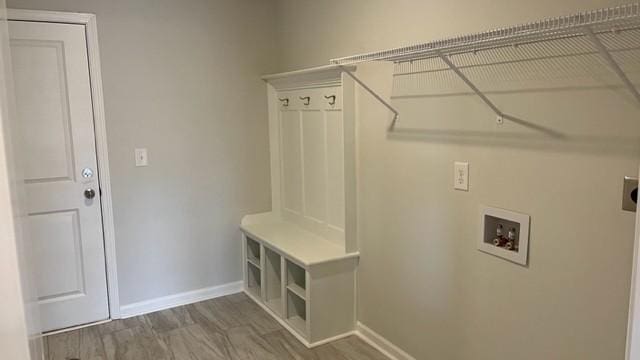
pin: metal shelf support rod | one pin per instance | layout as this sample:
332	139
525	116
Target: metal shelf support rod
374	94
466	80
606	55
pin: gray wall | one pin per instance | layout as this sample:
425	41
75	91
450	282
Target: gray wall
181	78
422	283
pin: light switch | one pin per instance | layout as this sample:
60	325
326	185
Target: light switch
141	157
461	176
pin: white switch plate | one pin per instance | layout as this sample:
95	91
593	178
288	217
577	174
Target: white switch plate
461	176
141	157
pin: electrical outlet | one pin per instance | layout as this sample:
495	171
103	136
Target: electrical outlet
141	157
461	176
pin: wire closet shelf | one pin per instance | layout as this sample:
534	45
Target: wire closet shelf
582	33
616	19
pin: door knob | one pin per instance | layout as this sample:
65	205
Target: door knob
89	194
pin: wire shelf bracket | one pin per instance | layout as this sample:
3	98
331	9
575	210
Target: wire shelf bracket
374	94
471	85
606	55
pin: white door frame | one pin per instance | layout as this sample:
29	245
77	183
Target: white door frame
104	179
14	327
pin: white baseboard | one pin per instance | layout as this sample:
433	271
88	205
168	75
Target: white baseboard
185	298
383	345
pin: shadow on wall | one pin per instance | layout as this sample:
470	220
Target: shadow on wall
558	95
604	145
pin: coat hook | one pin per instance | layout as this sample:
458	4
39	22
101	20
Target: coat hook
333	99
285	101
306	98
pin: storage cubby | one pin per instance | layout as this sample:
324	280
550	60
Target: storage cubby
296	279
297	313
253	252
273	280
254	281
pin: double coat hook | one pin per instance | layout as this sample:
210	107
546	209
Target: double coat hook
333	99
307	99
285	101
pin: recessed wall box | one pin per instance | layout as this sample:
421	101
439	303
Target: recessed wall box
504	233
630	193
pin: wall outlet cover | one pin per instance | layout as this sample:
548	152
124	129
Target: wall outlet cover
461	176
141	157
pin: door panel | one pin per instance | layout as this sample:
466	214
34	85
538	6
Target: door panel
53	97
291	162
314	165
49	126
56	235
335	170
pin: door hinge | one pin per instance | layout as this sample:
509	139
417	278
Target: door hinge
100	192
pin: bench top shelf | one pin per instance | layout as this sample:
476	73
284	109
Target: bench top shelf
293	241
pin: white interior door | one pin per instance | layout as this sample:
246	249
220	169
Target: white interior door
58	157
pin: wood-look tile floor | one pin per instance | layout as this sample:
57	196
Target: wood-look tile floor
230	327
